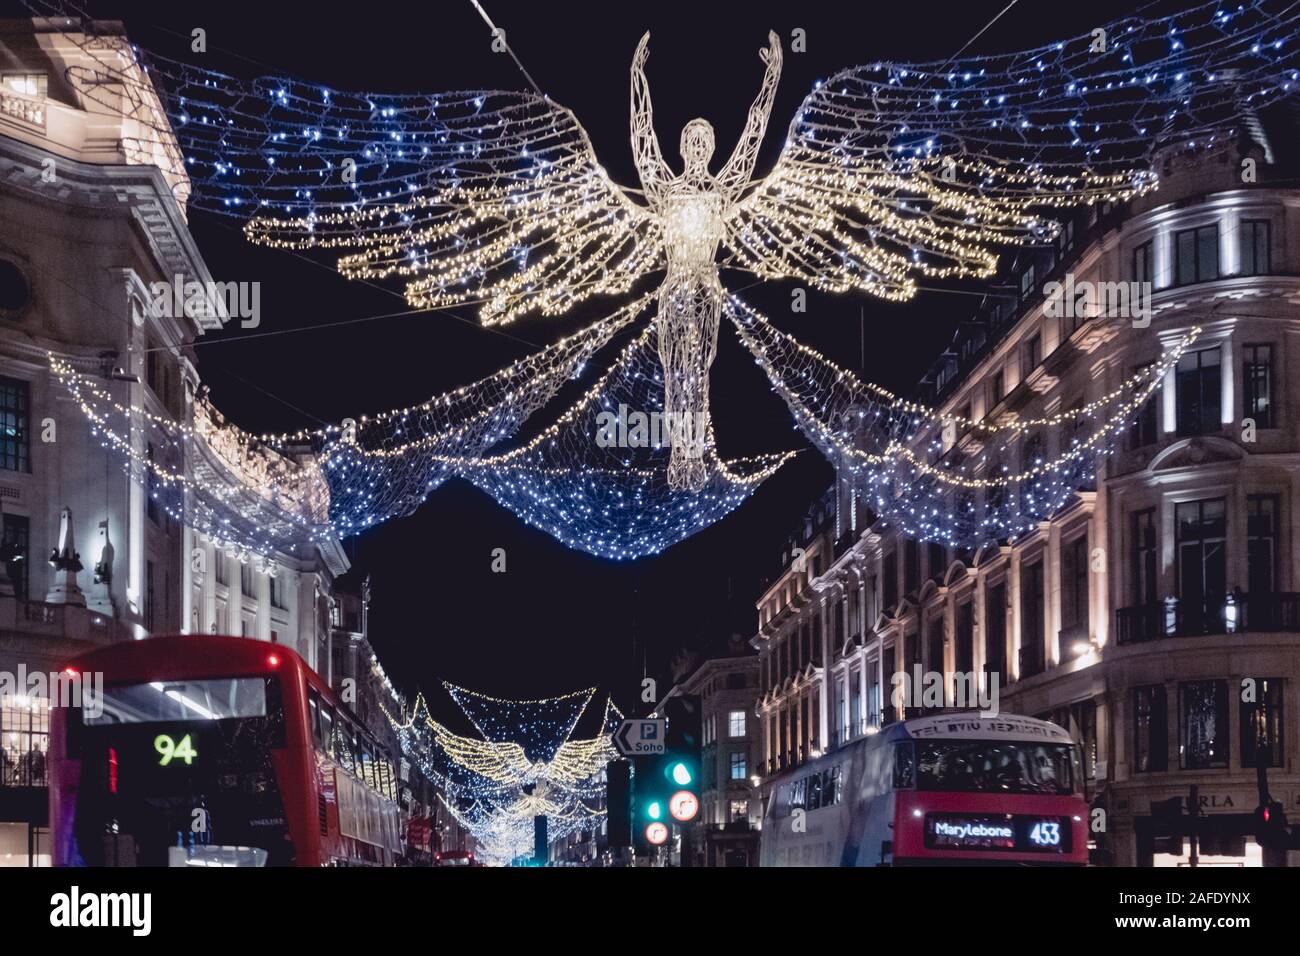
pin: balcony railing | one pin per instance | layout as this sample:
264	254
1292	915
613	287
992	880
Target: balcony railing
1231	614
27	109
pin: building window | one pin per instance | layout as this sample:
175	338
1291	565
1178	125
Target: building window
1257	382
1026	283
14	546
15	405
1032	453
1145	429
739	811
1031	619
150	600
995	631
936	557
1033	353
247	583
1203	706
1065	238
1074	585
873	694
1197	381
276	589
1202	561
1261	725
911	566
24	740
964	643
1150	729
1145	553
155	375
889	579
998	386
1256	246
841	712
15	293
911	650
934	645
1196	255
1261	543
736	723
856	725
28	84
1144	263
739	766
152	486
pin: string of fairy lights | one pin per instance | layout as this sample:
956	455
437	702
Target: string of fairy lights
525	763
890	173
942	477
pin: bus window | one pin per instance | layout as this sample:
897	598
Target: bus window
344	751
313	716
833	794
904	761
367	766
186	700
815	792
327	728
976	766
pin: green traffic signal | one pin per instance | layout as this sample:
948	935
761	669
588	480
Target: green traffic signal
654	810
680	774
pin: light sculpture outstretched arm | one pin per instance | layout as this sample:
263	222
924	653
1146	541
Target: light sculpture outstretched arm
740	167
655	173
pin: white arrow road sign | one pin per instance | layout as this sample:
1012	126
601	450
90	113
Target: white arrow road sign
640	737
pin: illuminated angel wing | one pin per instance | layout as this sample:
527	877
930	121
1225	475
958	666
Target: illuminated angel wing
893	172
488	197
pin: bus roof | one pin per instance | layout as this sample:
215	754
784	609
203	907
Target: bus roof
973	726
194	656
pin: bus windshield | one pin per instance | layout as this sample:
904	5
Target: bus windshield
182	700
994	766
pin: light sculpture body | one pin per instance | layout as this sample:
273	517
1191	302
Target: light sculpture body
692	209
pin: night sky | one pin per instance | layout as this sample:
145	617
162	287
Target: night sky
558	620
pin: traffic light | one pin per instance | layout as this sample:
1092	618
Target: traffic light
1271	832
649	803
681	760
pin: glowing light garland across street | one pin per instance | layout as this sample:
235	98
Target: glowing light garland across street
494	787
889	172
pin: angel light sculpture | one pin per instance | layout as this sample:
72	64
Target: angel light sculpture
526	217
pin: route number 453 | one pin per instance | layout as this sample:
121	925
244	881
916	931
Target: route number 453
170	749
1045	834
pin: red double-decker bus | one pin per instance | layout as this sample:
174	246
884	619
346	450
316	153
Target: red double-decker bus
946	789
215	751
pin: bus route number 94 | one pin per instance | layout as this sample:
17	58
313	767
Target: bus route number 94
169	749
